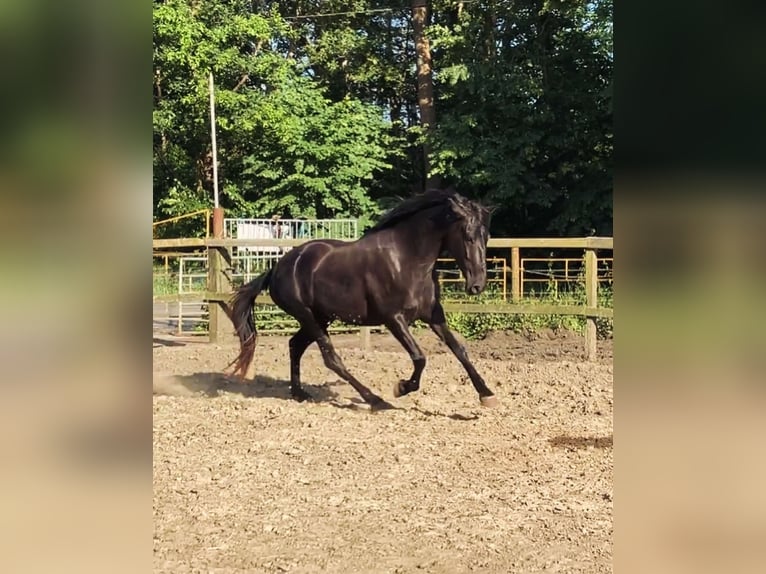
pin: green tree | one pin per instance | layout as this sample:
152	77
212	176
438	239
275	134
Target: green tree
315	157
283	145
525	112
318	107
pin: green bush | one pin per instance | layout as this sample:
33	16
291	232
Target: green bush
163	284
477	325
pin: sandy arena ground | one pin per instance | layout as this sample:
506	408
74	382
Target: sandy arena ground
247	480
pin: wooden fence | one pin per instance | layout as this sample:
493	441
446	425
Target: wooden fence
219	284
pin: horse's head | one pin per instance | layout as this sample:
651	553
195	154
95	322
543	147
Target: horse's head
466	240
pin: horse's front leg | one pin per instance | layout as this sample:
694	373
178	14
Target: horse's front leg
400	330
439	326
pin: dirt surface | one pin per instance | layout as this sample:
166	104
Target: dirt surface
247	480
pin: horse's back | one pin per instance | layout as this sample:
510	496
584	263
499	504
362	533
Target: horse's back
356	282
292	281
325	275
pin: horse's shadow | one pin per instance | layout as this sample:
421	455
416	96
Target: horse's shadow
572	443
262	386
215	384
453	416
160	342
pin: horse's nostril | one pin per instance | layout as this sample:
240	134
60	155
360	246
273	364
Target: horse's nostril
475	289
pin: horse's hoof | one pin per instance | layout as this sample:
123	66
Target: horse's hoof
489	402
301	396
400	389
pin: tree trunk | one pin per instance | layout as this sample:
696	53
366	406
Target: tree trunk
425	83
158	93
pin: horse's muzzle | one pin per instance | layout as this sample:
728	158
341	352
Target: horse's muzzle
475	289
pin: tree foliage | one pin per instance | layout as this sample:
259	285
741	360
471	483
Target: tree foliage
315	157
283	145
318	115
525	111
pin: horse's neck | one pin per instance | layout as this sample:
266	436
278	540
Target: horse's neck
421	242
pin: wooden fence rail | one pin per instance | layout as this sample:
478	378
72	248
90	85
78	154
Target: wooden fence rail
220	290
494	242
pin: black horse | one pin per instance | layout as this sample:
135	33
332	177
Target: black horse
386	277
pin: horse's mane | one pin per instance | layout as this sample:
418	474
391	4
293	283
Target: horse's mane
445	198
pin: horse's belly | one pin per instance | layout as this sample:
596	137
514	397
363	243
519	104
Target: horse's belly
341	303
352	316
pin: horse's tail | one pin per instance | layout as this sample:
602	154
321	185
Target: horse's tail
241	315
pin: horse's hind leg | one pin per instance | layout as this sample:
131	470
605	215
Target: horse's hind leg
298	345
333	362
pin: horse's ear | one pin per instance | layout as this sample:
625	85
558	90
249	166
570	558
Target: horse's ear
457	206
487	211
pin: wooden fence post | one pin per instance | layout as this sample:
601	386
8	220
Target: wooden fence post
218	282
364	333
591	300
515	274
